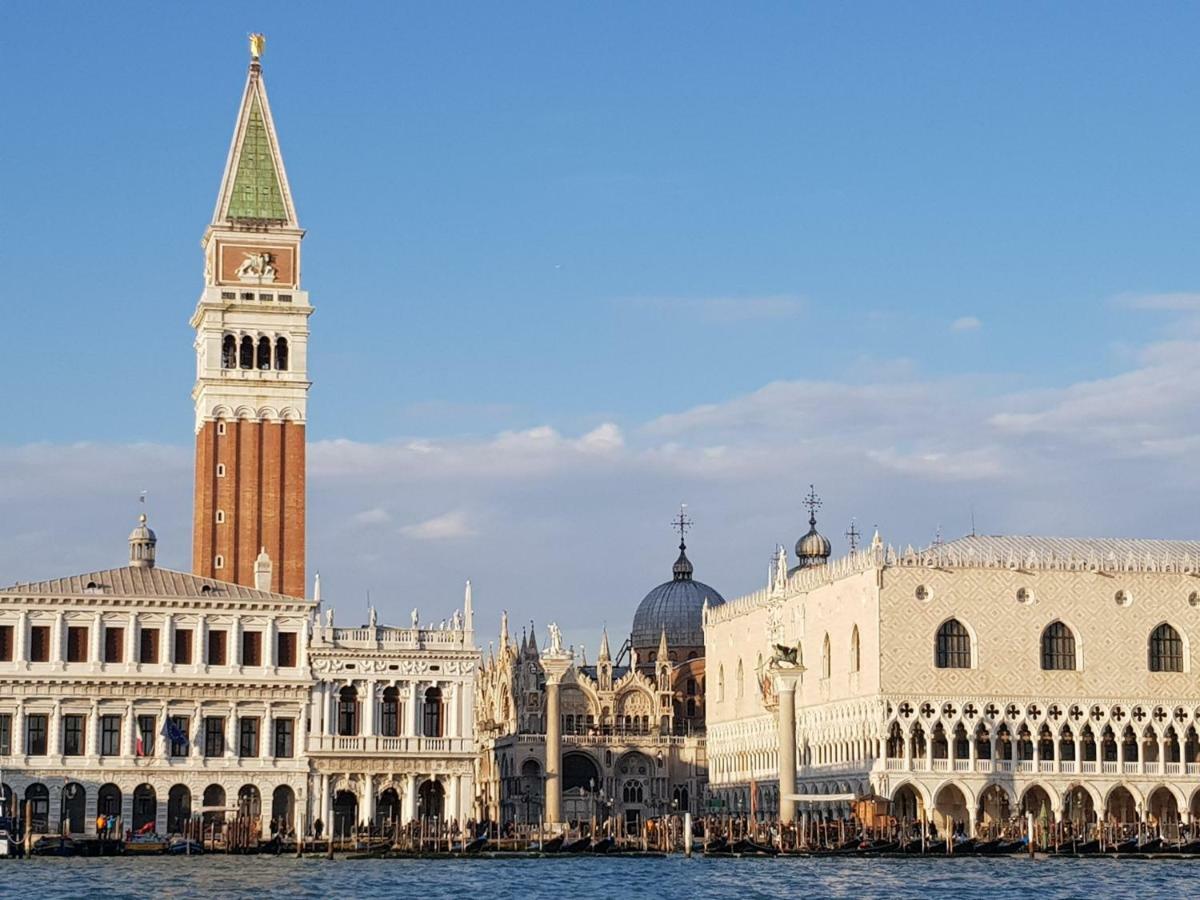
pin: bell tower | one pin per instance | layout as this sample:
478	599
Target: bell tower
251	344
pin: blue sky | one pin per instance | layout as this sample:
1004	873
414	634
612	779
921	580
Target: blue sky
575	263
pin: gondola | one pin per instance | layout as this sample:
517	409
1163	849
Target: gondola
874	848
1192	848
54	846
1088	847
554	845
476	846
1129	845
969	847
577	846
183	847
718	845
1155	845
747	847
604	845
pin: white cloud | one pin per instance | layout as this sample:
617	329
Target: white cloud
448	526
1176	301
966	323
573	526
374	516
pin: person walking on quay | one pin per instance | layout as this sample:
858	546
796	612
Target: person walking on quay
318	827
101	825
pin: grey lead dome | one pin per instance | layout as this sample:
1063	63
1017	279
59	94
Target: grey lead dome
676	607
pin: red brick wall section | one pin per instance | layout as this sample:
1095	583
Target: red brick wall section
291	565
262	496
246	523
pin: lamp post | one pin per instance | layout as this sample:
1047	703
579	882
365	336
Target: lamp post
592	794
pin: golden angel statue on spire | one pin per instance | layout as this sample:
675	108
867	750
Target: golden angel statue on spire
258	43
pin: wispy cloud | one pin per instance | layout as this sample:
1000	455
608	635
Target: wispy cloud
1171	301
448	526
966	323
723	309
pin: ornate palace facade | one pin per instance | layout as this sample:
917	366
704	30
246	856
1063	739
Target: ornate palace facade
967	682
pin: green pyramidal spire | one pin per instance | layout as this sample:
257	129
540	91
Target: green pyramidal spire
256	192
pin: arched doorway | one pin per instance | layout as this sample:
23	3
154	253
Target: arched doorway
38	797
214	805
283	808
387	809
8	800
994	806
179	808
1163	810
1036	800
950	809
249	802
580	778
907	805
530	798
345	813
108	800
1120	806
1078	807
74	800
431	799
145	807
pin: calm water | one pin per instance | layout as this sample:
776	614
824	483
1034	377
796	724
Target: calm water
676	877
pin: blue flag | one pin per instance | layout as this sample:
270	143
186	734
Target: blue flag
173	732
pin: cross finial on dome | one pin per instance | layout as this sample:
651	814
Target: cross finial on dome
813	502
852	535
682	524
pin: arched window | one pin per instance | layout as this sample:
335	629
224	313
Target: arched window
390	718
1058	648
264	354
632	792
953	646
229	352
855	655
741	681
246	359
347	719
1166	649
281	354
721	683
826	662
433	713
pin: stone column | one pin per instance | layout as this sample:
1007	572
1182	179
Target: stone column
58	643
93	730
22	640
367	813
231	732
410	799
555	666
785	688
96	642
131	641
166	653
368	723
270	649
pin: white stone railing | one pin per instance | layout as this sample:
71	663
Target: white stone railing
336	743
387	637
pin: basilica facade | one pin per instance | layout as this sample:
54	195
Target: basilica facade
619	741
964	683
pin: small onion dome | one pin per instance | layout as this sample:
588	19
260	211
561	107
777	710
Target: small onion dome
142	541
814	548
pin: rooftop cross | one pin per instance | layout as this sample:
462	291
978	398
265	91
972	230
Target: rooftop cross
852	535
813	502
682	523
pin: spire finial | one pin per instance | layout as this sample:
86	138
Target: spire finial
682	524
852	535
813	502
682	570
258	43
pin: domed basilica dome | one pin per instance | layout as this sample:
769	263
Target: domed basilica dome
675	606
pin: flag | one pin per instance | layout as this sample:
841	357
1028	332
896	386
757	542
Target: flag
172	732
140	748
